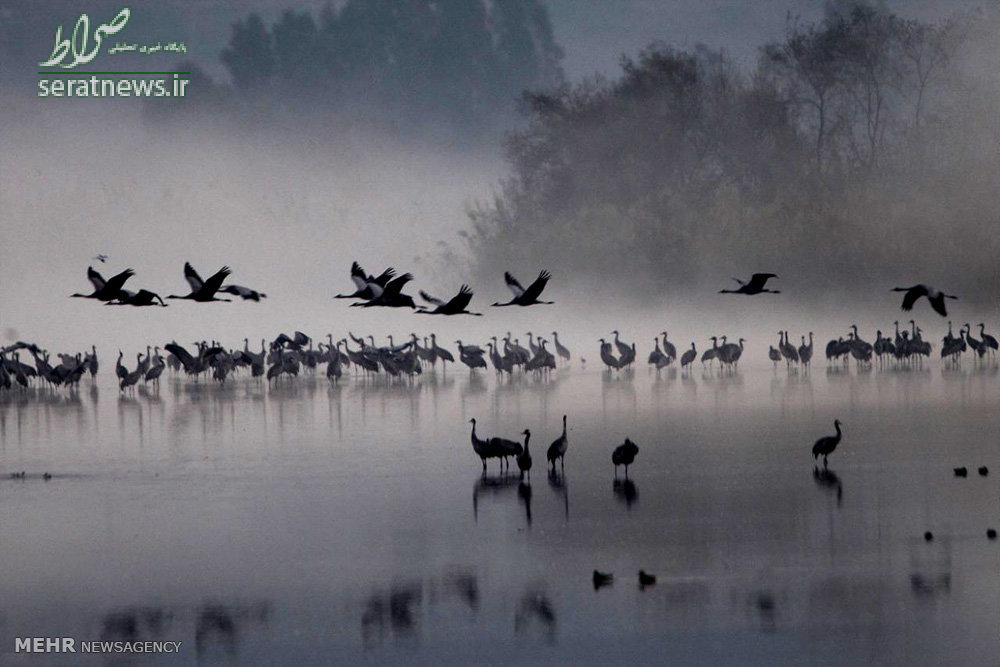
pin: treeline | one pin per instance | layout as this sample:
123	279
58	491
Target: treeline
413	65
863	146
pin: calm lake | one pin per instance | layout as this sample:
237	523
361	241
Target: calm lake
312	523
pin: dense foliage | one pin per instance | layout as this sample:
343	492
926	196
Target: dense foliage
859	146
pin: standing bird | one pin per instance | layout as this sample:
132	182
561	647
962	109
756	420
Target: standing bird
557	450
825	445
806	351
773	355
561	349
989	341
624	454
754	286
203	291
456	306
529	296
482	448
689	356
524	459
934	296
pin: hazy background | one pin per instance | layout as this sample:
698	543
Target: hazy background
378	141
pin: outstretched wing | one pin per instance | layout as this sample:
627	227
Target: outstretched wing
938	305
512	283
912	295
190	275
95	278
535	289
183	355
116	282
758	280
359	276
212	285
384	277
430	299
460	301
395	285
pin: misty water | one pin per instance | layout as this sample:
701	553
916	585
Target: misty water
314	523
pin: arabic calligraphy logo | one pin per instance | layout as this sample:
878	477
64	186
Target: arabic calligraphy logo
80	40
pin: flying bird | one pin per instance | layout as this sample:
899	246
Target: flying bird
101	258
754	286
105	290
934	296
244	293
456	306
203	291
141	298
390	296
529	296
368	286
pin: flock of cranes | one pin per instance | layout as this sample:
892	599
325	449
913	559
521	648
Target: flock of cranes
288	356
112	290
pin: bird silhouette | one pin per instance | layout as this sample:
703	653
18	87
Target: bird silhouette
105	290
624	454
825	445
368	286
934	296
244	293
557	450
524	458
203	291
458	304
754	286
529	296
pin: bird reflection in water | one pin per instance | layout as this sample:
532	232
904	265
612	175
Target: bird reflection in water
535	609
626	491
828	480
557	482
464	585
524	496
393	611
494	485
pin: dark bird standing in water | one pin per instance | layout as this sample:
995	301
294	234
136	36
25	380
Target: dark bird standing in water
557	450
624	454
602	579
646	579
934	296
529	296
825	445
524	459
754	286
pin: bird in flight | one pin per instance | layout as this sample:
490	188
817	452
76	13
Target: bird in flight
244	293
456	306
368	286
101	258
754	286
529	296
934	296
203	291
105	290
